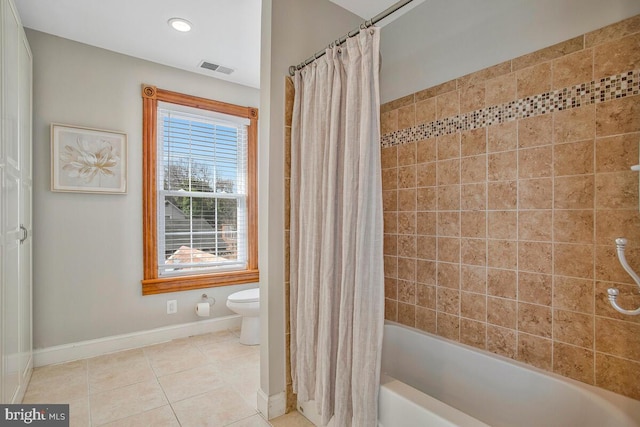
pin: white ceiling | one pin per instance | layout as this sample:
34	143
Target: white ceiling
225	32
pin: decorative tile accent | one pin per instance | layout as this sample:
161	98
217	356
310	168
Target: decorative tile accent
595	92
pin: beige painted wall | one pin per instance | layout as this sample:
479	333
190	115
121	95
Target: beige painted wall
88	248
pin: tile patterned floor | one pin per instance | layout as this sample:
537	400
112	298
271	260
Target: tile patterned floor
206	380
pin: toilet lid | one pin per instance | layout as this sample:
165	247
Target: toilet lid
249	295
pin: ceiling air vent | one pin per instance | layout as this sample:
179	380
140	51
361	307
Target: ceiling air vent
215	67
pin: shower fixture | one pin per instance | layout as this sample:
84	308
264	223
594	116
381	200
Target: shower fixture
621	243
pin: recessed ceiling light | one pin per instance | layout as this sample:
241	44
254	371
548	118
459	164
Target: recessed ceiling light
180	24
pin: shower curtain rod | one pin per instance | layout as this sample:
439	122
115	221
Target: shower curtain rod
366	24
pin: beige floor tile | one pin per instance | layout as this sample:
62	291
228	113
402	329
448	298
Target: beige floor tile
213	337
185	384
253	421
58	383
118	370
227	350
292	419
79	413
126	401
216	408
175	356
159	417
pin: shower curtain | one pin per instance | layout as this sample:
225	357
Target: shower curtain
337	276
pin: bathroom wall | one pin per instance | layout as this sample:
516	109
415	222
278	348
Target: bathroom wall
504	190
88	248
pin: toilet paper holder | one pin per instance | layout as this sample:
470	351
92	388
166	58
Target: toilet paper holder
210	300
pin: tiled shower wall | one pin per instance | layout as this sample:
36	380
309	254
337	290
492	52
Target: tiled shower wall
503	193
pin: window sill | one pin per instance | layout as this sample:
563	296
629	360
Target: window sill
198	281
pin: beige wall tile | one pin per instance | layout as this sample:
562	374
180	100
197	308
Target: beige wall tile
502	254
390	222
427	150
501	89
502	166
535	131
390	200
618	338
535	193
501	341
473	196
391	244
535	162
406	176
534	80
574	192
426	319
391	288
427	199
388	122
618	116
573	362
472	98
449	275
617	190
473	333
426	272
389	157
573	69
473	306
473	224
406	223
535	351
407	269
426	296
570	293
535	257
426	223
535	288
473	142
534	319
407	200
616	56
611	224
574	124
448	326
618	375
448	172
573	260
434	91
473	278
502	195
502	224
502	283
573	226
426	111
397	103
426	247
535	225
548	53
473	251
407	154
573	328
485	74
473	169
390	179
407	246
391	309
613	31
608	267
407	314
449	197
575	158
448	224
406	117
448	146
391	266
406	292
447	105
448	301
617	153
449	249
502	137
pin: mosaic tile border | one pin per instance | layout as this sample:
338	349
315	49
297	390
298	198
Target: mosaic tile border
613	87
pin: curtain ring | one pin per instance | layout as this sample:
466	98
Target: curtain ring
371	31
363	26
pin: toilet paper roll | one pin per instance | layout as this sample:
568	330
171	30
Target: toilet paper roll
202	309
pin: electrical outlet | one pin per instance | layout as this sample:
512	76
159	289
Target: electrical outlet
172	306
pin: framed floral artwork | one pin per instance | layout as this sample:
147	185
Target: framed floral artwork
85	160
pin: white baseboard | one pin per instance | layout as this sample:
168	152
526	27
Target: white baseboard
272	406
100	346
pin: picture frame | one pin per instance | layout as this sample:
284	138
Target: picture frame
87	160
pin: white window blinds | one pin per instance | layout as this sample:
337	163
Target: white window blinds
202	191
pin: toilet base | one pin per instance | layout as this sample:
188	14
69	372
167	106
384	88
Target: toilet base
250	330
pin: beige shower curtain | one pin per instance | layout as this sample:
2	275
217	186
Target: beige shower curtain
337	277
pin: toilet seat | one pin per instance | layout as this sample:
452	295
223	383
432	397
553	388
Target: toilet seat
246	296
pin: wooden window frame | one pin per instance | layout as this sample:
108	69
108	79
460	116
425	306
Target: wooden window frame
151	283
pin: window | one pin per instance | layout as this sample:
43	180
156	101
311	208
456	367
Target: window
200	199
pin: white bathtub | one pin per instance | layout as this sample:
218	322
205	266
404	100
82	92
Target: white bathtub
430	381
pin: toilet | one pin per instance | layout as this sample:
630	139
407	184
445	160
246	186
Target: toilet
247	304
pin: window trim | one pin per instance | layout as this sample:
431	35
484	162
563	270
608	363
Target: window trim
152	283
